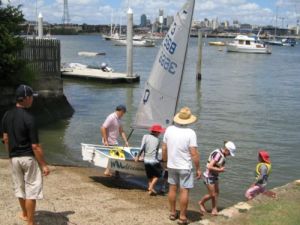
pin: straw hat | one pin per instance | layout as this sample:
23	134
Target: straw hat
184	116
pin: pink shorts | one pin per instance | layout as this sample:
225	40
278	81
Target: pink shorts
254	191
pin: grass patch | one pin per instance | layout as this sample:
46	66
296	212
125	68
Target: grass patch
285	210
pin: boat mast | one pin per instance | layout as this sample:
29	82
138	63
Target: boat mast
276	23
36	17
111	22
120	28
185	54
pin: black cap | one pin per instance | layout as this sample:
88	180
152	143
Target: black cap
24	91
121	108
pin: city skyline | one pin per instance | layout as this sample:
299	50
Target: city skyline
101	11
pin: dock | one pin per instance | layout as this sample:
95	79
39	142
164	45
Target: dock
99	75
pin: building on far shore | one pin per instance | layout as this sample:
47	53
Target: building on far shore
161	24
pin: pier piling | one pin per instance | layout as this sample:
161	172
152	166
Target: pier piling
199	59
40	26
129	42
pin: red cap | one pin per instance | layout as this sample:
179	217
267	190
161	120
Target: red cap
157	128
264	155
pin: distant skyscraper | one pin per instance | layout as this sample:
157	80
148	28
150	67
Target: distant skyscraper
161	17
215	24
143	20
236	24
165	21
161	12
226	24
170	20
148	22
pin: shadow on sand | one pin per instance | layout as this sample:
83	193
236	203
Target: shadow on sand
53	218
193	216
122	182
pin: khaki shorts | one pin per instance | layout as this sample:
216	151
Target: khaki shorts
183	178
27	177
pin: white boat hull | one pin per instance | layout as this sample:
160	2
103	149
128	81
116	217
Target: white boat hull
128	167
246	49
90	54
80	71
101	156
136	43
216	43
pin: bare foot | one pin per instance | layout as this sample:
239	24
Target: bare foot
152	192
22	217
214	212
270	194
202	208
108	174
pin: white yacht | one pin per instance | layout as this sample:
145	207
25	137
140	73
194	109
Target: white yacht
246	44
136	43
137	40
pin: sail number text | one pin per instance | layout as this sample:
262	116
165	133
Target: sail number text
167	64
170	46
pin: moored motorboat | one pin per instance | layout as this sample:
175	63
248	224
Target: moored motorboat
90	54
137	43
114	36
289	42
216	43
246	44
274	42
103	73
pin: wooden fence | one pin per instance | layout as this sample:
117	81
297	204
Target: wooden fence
42	55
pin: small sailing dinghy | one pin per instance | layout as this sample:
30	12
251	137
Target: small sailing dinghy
160	98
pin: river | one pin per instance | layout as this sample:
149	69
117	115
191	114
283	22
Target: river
251	99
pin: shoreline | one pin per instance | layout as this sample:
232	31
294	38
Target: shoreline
75	195
81	195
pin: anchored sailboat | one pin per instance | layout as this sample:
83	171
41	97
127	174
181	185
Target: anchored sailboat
160	98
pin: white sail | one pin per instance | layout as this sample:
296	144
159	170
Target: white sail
159	100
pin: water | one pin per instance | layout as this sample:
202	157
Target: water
253	100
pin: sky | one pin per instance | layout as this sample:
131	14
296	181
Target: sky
255	12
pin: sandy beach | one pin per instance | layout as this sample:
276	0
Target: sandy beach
82	196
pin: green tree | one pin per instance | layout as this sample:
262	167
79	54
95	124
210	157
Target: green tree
11	66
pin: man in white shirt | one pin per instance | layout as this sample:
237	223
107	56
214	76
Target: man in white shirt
180	149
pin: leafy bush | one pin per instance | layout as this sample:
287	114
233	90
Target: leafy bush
11	67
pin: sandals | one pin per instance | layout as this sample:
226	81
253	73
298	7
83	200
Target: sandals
182	222
173	217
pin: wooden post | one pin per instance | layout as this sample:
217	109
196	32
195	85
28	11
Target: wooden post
199	61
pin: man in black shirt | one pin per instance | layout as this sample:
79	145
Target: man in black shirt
20	137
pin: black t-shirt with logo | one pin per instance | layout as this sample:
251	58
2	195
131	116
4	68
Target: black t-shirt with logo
20	126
